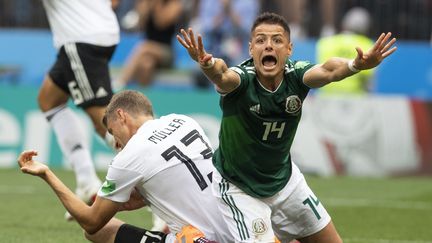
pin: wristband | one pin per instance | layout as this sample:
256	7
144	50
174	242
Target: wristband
351	66
208	66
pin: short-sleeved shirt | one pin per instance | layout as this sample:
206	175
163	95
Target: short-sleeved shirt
82	21
168	161
258	128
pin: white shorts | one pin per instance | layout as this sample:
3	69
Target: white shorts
294	212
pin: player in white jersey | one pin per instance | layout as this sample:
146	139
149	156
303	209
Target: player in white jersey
85	33
81	21
164	163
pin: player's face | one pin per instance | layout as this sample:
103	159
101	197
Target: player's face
119	131
269	48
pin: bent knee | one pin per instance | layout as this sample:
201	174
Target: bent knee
51	96
44	103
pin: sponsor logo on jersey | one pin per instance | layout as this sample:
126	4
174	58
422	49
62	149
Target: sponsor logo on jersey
108	187
256	108
292	104
258	226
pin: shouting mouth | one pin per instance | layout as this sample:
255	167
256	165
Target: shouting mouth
269	62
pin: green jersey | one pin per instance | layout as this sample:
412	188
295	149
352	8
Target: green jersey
258	128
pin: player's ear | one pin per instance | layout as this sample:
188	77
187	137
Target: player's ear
250	49
121	114
289	49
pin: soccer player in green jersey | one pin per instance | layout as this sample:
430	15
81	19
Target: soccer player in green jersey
261	192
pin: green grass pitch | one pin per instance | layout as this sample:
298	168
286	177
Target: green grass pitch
364	210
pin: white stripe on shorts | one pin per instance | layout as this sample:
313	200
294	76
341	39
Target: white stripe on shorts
78	69
238	216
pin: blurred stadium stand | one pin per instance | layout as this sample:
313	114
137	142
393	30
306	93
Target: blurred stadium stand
407	19
22	14
23	26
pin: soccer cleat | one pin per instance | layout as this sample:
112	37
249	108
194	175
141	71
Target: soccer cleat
189	234
87	194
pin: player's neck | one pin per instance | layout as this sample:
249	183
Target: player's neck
271	83
143	119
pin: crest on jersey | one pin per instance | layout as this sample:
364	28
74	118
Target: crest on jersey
259	227
293	104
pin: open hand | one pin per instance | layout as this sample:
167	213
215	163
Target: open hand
29	166
194	47
382	49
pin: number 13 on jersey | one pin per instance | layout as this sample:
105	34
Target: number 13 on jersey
174	151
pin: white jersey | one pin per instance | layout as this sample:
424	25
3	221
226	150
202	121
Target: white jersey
169	162
87	21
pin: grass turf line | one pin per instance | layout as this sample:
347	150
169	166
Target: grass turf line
365	210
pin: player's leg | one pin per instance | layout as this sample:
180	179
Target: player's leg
50	95
326	235
299	214
69	77
95	81
117	231
67	128
248	218
96	114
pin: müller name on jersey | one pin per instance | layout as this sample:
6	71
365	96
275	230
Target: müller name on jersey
159	135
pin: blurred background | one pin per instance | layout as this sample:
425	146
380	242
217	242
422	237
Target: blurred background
380	124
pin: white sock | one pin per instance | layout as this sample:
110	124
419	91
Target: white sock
72	142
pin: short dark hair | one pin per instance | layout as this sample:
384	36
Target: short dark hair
271	18
131	101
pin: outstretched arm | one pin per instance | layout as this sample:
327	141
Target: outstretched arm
91	218
336	68
215	69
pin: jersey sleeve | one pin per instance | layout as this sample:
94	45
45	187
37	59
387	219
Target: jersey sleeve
119	184
245	70
244	79
300	68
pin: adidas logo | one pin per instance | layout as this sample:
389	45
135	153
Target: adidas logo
101	92
256	108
